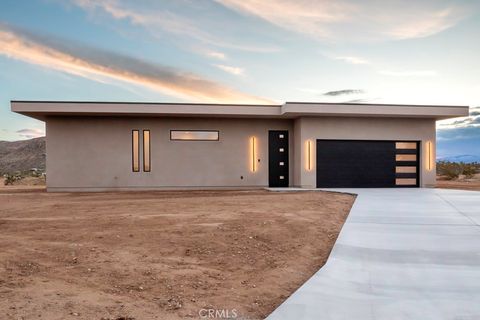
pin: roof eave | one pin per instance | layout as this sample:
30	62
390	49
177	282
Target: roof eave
41	109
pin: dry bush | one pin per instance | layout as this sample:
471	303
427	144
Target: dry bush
452	170
9	179
469	170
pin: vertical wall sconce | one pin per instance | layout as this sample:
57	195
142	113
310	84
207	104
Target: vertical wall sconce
429	155
253	154
308	155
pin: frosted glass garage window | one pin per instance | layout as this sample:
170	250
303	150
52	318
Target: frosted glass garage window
406	145
194	135
406	157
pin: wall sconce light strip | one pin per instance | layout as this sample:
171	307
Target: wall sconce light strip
429	155
308	155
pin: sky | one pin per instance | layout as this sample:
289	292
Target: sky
244	51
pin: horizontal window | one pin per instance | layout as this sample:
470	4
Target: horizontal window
194	135
406	169
406	157
405	181
406	145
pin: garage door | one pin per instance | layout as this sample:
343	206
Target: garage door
367	164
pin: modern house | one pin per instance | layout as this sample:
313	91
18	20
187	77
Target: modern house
95	146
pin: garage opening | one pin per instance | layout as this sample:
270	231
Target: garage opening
367	164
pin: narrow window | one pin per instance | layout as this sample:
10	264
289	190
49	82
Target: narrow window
146	150
405	181
135	151
406	169
406	145
406	157
194	135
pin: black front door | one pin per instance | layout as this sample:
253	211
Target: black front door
277	158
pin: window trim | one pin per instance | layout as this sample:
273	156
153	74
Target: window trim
137	151
195	130
149	151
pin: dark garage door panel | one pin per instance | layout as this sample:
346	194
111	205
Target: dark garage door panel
355	164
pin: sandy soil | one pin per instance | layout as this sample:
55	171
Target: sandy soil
27	184
160	255
461	183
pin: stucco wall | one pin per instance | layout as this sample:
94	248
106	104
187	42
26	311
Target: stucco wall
95	153
361	129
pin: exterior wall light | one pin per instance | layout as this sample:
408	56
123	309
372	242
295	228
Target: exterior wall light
429	155
308	155
253	154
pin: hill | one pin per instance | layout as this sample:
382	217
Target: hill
22	155
467	158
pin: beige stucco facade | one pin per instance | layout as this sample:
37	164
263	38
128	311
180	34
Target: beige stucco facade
89	145
95	153
336	128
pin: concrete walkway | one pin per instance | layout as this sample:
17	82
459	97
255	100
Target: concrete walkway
402	254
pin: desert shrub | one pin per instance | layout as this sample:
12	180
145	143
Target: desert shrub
37	173
450	170
469	170
10	179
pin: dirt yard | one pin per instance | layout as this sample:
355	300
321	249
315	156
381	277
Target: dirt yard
461	183
160	255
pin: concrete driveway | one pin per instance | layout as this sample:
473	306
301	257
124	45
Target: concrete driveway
402	254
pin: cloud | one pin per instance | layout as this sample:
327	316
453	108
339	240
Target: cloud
297	15
216	55
343	92
459	133
355	20
237	71
157	22
458	141
435	22
475	111
408	73
467	122
358	101
352	60
109	67
31	133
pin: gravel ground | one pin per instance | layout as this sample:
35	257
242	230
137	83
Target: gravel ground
461	183
160	255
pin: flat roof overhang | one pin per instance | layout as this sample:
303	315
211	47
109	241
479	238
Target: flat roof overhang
42	109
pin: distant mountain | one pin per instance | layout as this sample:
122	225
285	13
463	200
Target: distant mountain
467	158
22	155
